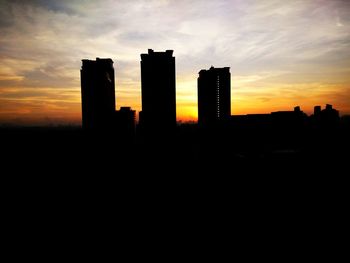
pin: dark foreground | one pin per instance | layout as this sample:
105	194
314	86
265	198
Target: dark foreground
189	157
63	183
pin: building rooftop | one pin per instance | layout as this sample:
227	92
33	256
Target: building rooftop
151	52
213	69
100	61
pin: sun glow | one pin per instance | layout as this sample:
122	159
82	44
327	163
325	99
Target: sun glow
279	58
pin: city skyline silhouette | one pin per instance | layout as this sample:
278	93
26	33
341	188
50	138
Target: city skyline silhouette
288	136
155	133
158	87
144	116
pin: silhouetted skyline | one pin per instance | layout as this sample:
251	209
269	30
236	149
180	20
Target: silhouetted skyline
216	125
276	150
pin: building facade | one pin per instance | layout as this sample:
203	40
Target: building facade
125	123
97	93
158	90
214	95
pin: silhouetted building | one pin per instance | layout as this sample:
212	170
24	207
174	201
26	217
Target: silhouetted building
158	90
326	118
214	95
97	93
278	121
289	120
317	110
125	123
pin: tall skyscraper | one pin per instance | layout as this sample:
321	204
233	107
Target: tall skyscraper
214	95
158	90
97	93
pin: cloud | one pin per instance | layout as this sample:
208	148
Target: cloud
267	44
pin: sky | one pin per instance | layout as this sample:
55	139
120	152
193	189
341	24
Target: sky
281	53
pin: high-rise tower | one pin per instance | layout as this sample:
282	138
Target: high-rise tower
214	95
97	93
158	90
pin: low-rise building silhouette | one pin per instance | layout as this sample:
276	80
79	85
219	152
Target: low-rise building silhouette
214	95
326	118
289	120
278	120
125	123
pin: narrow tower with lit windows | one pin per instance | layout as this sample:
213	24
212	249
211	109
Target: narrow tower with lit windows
214	95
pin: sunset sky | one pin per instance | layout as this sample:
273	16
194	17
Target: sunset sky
281	53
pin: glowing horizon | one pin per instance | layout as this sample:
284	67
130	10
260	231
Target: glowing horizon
280	54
